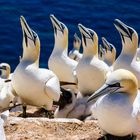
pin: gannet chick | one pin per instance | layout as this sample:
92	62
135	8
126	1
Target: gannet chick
59	62
69	106
74	53
110	52
129	39
117	109
35	86
91	72
65	104
6	96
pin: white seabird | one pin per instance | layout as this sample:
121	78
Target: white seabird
129	39
6	95
35	86
91	72
110	52
118	108
74	53
59	62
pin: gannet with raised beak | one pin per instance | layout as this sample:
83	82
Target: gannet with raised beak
35	86
74	53
129	39
91	72
110	52
118	108
59	62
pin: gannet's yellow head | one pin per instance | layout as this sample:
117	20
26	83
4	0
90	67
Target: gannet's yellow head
110	51
129	37
60	32
119	81
76	42
89	40
31	42
5	70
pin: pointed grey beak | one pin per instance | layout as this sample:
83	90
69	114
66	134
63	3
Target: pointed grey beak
76	38
107	45
123	29
105	89
27	31
57	25
86	33
101	50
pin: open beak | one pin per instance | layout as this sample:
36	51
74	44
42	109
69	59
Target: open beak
123	29
27	31
57	25
105	89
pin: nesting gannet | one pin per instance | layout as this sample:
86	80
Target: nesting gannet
35	86
6	95
129	39
5	73
91	72
118	108
110	52
74	53
59	62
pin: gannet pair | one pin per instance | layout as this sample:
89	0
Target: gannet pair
35	86
126	60
59	62
118	108
91	72
109	55
6	95
74	53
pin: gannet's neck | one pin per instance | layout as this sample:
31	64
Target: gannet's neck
61	43
91	51
31	56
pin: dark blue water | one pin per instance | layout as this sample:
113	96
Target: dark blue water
96	14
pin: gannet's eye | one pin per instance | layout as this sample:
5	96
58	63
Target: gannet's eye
115	85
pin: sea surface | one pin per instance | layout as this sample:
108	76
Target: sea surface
96	14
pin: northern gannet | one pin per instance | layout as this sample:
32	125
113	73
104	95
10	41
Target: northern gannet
110	52
59	62
118	108
129	39
91	72
74	53
35	86
6	95
5	70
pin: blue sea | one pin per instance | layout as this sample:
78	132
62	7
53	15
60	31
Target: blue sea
96	14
